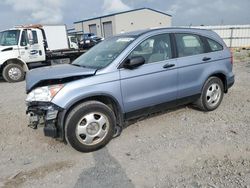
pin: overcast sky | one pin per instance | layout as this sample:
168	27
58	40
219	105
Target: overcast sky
195	12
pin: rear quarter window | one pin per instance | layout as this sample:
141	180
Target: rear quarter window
214	46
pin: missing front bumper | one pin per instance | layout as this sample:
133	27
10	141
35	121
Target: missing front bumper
44	115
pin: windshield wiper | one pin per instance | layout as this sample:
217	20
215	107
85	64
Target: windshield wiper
77	65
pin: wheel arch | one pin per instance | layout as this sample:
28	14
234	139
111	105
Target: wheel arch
16	61
222	77
108	100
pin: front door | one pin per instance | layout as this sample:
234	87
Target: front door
153	83
31	46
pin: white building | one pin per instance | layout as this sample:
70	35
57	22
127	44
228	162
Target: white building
126	21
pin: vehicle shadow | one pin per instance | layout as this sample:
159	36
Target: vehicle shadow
152	115
2	80
107	172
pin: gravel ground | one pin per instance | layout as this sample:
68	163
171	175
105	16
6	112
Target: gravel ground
179	148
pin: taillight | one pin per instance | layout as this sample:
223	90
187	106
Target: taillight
231	56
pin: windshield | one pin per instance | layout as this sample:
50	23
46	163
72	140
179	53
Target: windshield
104	53
9	38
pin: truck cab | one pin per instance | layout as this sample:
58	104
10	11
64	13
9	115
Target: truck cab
27	47
18	48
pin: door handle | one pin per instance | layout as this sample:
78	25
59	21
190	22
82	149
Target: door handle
26	48
206	58
168	65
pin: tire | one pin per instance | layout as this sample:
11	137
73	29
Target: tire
211	95
13	73
90	126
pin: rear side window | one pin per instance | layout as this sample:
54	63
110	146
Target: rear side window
189	44
214	46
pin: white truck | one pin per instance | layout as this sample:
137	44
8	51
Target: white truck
25	47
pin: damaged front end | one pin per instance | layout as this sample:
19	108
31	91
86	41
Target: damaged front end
45	114
42	85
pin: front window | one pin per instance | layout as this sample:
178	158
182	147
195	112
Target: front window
154	49
24	38
9	38
104	53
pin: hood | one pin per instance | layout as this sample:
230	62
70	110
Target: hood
55	74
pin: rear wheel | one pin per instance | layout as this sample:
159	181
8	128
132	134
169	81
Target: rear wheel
13	73
212	94
90	126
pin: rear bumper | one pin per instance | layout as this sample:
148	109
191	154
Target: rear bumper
46	115
230	81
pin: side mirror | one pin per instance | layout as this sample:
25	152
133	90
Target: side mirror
134	62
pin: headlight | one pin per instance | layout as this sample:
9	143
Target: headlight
44	94
87	41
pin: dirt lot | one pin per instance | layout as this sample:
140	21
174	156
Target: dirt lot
180	148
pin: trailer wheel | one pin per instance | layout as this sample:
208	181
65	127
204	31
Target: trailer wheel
13	73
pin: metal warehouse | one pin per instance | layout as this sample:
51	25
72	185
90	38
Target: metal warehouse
126	21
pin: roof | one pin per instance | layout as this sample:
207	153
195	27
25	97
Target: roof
108	15
139	32
174	29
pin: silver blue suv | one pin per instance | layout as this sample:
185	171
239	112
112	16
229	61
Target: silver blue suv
87	102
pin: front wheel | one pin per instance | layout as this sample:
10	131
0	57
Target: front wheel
212	94
13	73
90	126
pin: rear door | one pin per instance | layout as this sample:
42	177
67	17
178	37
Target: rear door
192	61
153	83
